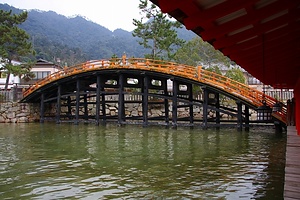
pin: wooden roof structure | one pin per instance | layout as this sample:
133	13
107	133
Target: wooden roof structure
262	36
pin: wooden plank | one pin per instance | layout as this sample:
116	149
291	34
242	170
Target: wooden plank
291	195
292	166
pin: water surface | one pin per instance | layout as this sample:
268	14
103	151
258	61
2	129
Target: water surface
50	161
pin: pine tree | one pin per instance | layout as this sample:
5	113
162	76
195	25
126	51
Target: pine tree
14	45
157	33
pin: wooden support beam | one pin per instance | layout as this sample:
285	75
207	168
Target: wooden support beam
42	108
205	106
103	101
217	104
166	101
145	91
77	102
85	104
69	114
239	116
191	106
174	103
247	116
58	104
98	100
121	106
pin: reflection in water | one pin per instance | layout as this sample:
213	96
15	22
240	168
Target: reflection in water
49	161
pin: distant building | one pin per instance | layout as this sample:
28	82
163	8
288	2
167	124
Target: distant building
41	69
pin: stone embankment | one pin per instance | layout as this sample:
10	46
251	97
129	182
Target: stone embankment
13	112
24	113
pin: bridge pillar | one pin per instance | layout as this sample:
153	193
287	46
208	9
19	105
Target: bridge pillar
69	114
58	104
145	91
247	116
97	117
191	106
217	104
205	106
85	103
174	103
76	122
166	102
42	108
121	106
103	101
239	116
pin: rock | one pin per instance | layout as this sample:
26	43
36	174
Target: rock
22	120
11	115
2	119
21	115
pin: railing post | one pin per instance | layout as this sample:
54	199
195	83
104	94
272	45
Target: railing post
199	68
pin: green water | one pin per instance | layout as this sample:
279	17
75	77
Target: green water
49	161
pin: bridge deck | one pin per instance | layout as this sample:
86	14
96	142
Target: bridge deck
292	168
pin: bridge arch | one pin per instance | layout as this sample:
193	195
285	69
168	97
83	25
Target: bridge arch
90	83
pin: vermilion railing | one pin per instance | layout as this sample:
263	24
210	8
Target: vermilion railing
233	87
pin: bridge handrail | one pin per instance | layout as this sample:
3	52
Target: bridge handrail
198	74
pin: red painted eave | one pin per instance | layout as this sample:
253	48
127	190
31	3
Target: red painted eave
262	36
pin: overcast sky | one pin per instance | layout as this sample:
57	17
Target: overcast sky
111	14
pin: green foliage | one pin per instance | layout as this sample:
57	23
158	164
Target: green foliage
197	52
157	33
215	69
236	74
14	44
57	53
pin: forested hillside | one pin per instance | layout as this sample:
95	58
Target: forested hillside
73	40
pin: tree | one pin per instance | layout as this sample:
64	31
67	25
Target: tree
157	33
14	45
236	74
197	52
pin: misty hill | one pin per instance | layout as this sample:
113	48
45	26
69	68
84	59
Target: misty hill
77	39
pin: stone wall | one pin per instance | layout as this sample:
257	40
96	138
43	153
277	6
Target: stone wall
13	112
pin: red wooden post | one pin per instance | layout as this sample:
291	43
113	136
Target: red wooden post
297	105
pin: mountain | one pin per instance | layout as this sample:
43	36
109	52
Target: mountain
76	39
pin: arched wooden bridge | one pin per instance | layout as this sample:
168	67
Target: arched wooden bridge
97	79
